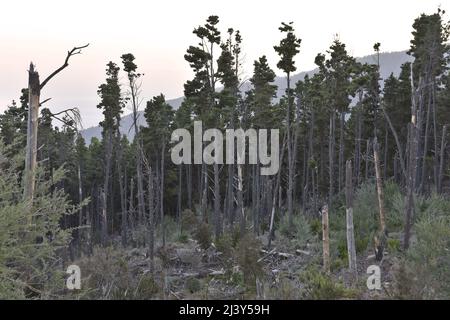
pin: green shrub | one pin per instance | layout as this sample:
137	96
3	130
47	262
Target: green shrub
106	274
188	220
183	238
203	235
429	257
299	233
225	245
316	227
31	239
247	253
284	290
147	288
394	206
193	285
365	212
393	245
319	286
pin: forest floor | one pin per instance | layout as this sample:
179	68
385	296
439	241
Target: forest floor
183	270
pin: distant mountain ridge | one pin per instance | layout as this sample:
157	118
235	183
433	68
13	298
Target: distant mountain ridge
390	63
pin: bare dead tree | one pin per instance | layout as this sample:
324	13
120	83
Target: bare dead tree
376	154
34	92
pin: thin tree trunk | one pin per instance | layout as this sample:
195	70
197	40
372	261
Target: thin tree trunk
161	197
351	248
442	158
108	160
397	142
423	178
435	135
367	158
240	200
274	197
290	155
358	142
386	151
80	200
217	214
325	240
331	159
376	154
412	166
151	222
341	151
189	185
179	198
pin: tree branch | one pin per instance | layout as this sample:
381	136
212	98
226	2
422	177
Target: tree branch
74	51
46	100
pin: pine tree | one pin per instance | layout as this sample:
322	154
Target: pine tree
111	104
287	50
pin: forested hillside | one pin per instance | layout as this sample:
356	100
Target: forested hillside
363	178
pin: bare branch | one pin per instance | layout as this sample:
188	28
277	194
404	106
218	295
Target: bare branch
74	51
46	100
73	114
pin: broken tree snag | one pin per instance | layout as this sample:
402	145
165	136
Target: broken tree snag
380	240
325	239
34	92
351	248
376	155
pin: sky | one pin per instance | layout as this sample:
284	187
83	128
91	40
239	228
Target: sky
159	32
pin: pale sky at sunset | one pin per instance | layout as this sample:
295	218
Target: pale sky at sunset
159	32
